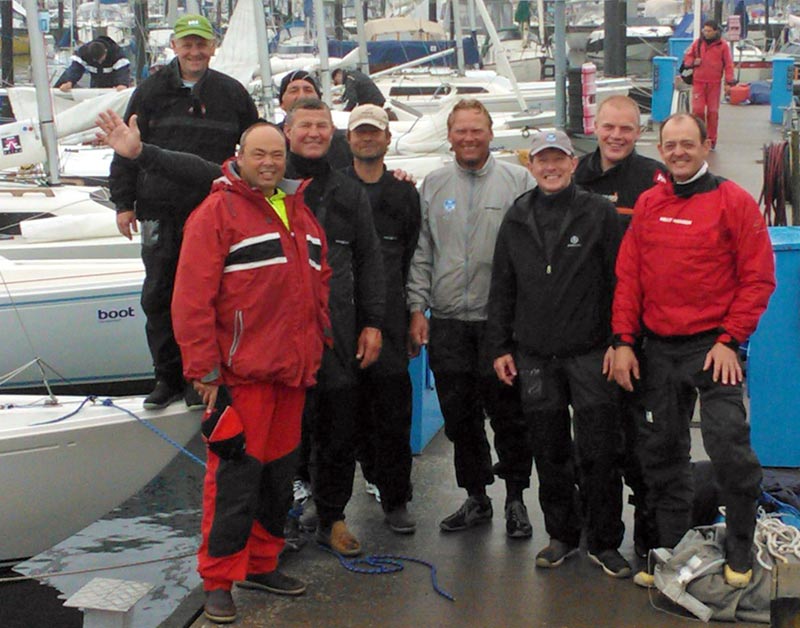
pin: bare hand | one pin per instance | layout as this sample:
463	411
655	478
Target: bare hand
369	346
726	364
207	391
402	175
126	222
625	364
124	139
417	333
608	364
65	87
506	369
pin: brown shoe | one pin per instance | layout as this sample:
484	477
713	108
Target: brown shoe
219	606
339	539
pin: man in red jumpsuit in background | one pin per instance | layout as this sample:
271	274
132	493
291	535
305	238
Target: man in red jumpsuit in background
710	56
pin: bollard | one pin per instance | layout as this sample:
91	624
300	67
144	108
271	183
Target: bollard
780	95
108	602
784	605
663	85
676	47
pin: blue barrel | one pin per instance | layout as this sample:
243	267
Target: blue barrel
676	46
663	85
773	360
782	82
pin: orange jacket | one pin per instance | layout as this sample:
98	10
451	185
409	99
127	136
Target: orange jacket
715	59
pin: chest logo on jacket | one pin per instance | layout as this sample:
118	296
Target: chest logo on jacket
574	242
449	205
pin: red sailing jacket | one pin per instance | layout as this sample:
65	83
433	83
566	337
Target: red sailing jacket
251	297
693	264
715	59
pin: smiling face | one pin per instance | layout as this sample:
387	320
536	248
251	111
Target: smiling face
309	132
262	158
470	135
682	148
617	129
552	168
297	89
194	54
369	143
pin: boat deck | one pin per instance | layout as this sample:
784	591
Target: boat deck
491	577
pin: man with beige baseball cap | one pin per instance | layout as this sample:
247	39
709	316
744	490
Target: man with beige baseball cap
383	425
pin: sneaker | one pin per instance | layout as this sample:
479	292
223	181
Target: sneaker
163	395
472	512
219	607
612	563
275	582
737	579
644	579
373	490
301	491
400	521
518	526
309	519
554	554
339	539
192	398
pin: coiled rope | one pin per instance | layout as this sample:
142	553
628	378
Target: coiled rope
776	189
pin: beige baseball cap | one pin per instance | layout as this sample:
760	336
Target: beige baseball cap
551	139
368	114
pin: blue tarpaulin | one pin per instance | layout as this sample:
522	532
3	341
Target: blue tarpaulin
383	54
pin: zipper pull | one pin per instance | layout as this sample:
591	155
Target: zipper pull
549	269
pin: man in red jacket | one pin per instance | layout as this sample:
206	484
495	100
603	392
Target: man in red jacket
250	312
694	274
711	59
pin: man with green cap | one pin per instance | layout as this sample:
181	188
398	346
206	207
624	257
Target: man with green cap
183	107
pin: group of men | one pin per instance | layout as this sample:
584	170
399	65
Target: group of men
292	305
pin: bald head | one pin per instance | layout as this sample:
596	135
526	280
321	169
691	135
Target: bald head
261	159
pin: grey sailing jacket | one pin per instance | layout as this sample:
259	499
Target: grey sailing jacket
461	214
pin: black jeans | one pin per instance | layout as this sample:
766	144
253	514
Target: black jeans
468	392
577	381
161	246
674	378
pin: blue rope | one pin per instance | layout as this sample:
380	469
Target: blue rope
386	563
110	404
161	434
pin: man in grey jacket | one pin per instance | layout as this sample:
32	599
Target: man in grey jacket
462	207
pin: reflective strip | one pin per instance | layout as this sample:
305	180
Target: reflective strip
254	240
249	265
314	252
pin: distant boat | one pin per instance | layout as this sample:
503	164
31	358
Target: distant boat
57	478
642	42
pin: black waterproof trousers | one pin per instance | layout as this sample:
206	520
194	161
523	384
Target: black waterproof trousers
673	379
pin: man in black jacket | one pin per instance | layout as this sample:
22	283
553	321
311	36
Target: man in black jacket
619	173
359	89
357	303
549	333
103	59
184	107
384	409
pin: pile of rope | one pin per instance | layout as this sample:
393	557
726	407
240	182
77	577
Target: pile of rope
777	537
776	190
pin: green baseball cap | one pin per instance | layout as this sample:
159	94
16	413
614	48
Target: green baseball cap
193	25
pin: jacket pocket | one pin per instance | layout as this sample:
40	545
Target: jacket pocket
238	332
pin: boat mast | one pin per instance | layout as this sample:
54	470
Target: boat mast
459	37
40	82
542	28
322	40
363	56
263	59
560	59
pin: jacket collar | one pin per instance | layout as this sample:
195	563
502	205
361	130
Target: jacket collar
480	172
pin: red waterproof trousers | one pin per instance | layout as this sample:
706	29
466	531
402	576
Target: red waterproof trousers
705	104
245	501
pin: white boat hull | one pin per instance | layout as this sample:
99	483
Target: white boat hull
61	477
82	317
